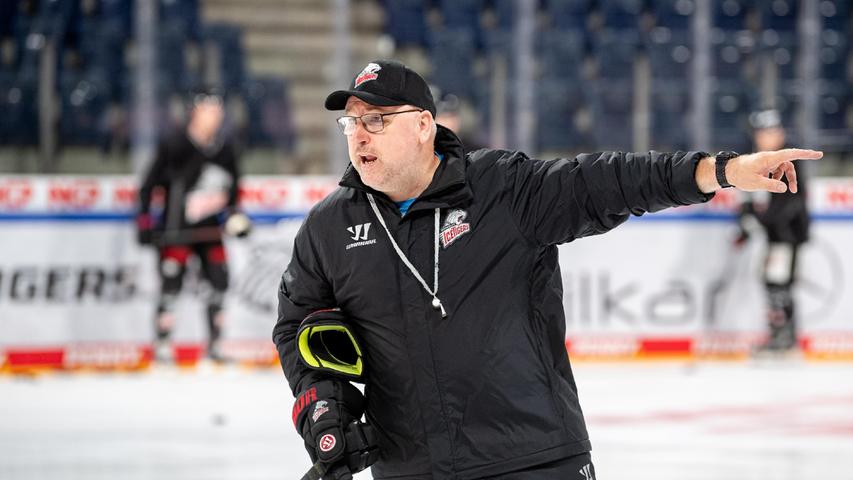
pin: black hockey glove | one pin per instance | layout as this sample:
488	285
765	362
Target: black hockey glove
327	416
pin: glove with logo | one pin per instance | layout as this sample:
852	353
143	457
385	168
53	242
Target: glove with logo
327	416
144	229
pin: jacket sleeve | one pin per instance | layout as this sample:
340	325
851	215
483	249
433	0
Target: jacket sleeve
303	289
560	200
231	164
154	177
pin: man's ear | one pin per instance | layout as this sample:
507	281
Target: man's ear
424	129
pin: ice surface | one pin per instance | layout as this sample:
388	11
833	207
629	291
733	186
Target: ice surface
661	421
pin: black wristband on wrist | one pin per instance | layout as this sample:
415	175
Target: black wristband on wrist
720	161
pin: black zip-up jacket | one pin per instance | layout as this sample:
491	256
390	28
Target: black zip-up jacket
488	389
182	168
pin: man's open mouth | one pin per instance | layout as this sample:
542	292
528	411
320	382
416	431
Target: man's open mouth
366	158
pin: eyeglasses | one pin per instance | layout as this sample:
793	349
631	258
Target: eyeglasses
373	122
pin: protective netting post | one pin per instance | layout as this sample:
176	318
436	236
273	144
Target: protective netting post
144	113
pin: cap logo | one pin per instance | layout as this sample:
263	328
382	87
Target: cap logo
368	74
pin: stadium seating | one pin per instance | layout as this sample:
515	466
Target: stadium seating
19	120
833	106
270	119
670	53
612	114
780	15
835	14
183	12
621	14
557	103
834	52
84	102
101	51
673	14
452	53
670	109
729	14
782	48
561	53
225	39
118	12
787	101
406	22
730	54
731	103
568	14
615	53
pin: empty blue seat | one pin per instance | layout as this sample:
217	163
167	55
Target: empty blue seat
557	104
8	12
782	47
461	13
834	51
452	53
835	14
621	14
612	119
84	104
19	120
505	13
670	53
778	14
833	106
615	53
227	40
730	54
561	53
406	22
183	12
568	14
101	50
670	110
787	103
119	12
731	103
171	64
730	14
270	117
673	14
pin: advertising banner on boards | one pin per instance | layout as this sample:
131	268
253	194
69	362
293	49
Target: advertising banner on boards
77	291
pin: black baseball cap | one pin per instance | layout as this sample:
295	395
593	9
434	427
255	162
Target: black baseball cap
385	83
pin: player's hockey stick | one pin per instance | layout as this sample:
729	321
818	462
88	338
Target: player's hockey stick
715	289
190	235
316	472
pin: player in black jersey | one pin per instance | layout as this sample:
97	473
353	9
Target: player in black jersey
784	218
186	200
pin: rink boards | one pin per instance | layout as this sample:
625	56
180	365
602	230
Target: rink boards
76	291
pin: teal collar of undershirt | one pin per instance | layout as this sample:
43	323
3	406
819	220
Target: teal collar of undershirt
405	204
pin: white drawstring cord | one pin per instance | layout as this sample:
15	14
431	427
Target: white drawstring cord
436	303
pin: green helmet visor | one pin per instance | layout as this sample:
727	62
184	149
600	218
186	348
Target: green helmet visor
327	343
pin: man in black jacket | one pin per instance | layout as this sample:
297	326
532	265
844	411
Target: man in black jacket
446	266
195	179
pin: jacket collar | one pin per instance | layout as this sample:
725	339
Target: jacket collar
448	188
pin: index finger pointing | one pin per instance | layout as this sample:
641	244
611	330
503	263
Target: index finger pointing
790	154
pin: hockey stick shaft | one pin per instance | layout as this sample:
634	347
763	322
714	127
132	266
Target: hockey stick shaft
316	472
191	235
